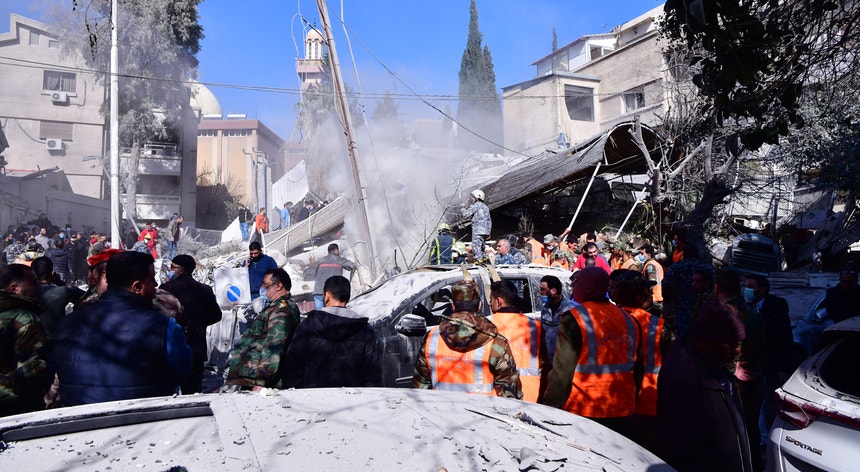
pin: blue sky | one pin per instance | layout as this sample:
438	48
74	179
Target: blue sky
253	43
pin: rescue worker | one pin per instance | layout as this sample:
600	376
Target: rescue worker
632	292
559	252
508	254
466	353
523	335
440	248
482	224
596	370
621	257
652	270
535	252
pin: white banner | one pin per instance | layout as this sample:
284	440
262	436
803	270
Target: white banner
232	287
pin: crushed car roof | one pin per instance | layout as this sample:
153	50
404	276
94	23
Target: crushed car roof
317	429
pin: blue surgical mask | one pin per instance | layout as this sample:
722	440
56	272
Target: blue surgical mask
544	299
263	294
171	274
749	294
640	258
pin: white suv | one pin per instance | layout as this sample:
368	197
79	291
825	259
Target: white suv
818	422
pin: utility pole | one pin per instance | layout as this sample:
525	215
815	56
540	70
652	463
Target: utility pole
343	106
115	235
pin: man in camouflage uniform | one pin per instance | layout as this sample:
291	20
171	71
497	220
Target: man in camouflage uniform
257	357
482	224
449	365
24	373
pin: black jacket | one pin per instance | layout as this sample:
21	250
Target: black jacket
333	347
64	263
780	356
200	311
701	427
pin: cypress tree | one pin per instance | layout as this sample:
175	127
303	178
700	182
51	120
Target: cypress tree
479	108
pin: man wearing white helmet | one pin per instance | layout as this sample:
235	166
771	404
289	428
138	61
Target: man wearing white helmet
479	213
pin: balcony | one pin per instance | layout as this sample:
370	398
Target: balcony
155	159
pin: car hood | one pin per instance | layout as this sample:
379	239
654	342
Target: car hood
317	429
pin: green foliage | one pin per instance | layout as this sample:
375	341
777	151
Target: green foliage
554	40
754	57
158	43
479	108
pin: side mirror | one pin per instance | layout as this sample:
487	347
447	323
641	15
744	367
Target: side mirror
411	325
820	314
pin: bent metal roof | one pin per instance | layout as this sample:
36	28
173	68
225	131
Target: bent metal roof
614	149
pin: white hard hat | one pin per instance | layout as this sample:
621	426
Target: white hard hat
478	194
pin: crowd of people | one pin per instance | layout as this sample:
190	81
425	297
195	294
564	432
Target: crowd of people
674	354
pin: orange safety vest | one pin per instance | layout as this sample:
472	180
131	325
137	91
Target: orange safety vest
657	290
603	385
652	328
560	263
629	264
523	335
539	256
467	372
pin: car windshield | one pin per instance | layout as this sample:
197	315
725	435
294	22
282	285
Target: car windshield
379	302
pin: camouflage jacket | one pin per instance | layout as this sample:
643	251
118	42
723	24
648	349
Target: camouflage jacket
480	215
24	372
466	331
258	353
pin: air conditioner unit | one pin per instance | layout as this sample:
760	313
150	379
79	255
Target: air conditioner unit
53	144
59	97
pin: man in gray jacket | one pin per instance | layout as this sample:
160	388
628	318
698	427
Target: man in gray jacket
330	265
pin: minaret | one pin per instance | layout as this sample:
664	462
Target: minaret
310	68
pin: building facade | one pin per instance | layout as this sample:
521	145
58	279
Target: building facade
587	87
51	118
242	154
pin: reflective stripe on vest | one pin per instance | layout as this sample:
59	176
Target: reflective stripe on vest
525	348
479	360
651	365
593	367
602	385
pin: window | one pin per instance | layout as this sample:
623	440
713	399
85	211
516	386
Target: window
632	100
34	38
62	81
53	44
56	130
580	102
207	132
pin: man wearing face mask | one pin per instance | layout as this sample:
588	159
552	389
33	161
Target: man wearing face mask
698	406
554	304
257	356
258	265
200	311
749	368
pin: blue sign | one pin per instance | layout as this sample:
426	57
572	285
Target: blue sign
234	293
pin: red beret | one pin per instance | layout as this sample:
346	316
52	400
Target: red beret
102	256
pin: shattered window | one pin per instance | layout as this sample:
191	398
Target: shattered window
633	100
580	102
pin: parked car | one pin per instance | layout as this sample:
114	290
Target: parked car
402	307
316	429
818	422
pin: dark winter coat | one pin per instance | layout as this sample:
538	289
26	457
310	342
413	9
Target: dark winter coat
333	347
64	263
699	415
119	348
200	311
780	356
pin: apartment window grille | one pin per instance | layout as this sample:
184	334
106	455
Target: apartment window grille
34	38
56	130
53	44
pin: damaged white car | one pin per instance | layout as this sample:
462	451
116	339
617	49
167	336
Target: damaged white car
316	429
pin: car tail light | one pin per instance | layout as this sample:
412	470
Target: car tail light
802	414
